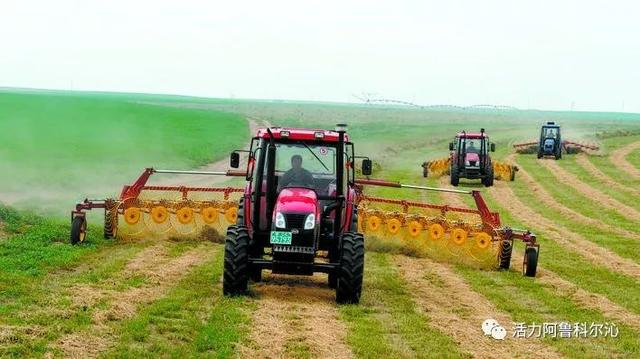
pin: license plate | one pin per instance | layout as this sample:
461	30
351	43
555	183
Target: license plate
280	237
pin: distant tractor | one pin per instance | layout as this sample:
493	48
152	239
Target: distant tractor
469	158
550	141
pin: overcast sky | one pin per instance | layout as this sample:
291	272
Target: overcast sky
528	54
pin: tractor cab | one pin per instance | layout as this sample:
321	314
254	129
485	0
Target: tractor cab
297	210
550	141
470	157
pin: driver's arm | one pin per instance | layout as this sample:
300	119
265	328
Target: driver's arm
284	180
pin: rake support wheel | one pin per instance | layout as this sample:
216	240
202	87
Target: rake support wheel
530	264
78	230
236	261
351	270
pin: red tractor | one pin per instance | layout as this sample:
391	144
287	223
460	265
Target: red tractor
298	214
470	158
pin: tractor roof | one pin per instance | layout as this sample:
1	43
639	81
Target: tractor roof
301	134
472	135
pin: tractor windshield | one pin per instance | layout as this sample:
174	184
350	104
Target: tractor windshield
306	165
472	145
550	132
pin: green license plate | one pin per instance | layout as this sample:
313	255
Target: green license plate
280	237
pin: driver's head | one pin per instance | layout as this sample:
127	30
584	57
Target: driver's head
296	162
471	144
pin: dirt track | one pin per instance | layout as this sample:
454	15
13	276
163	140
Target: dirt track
618	159
563	236
160	272
457	310
296	312
604	200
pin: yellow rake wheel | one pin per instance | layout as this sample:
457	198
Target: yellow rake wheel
436	231
185	215
393	226
483	240
209	215
231	215
459	236
132	215
415	228
373	223
159	214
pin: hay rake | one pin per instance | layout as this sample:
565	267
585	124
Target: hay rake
143	210
473	237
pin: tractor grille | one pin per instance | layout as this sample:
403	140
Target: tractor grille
294	249
295	220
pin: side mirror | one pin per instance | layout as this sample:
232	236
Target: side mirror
493	147
450	146
366	167
234	161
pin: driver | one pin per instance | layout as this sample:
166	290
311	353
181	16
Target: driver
472	147
296	176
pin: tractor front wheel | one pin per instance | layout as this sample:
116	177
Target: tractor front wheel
349	274
236	261
455	177
78	230
506	248
530	264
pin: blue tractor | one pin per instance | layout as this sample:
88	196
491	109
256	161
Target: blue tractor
550	141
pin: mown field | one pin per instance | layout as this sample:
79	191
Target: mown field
149	298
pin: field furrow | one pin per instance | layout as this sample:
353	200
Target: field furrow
296	317
619	160
549	200
588	191
584	162
159	273
456	309
594	253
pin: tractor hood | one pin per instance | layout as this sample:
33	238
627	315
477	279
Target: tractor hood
297	200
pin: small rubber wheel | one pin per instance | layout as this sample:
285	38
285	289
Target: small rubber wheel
78	230
530	264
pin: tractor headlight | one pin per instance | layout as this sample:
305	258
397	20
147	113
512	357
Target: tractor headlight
280	222
310	222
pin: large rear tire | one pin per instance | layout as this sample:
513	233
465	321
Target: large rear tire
539	154
78	230
506	248
351	270
530	265
236	261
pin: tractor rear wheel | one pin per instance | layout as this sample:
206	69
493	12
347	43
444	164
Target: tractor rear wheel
236	261
530	264
539	154
349	274
506	248
78	230
110	222
455	177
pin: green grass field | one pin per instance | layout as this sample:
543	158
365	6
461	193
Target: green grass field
150	298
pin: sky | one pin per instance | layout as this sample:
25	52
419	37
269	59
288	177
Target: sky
552	55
